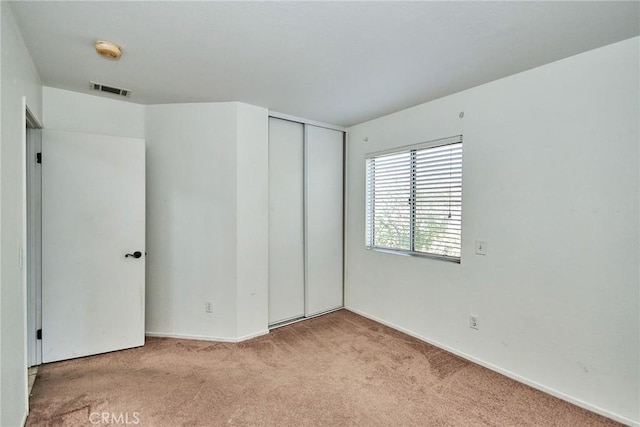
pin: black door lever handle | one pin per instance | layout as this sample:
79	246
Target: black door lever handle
136	254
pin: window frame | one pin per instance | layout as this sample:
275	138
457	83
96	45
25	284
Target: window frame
412	176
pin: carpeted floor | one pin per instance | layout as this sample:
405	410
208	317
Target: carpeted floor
335	370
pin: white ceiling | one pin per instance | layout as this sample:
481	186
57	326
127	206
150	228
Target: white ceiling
336	62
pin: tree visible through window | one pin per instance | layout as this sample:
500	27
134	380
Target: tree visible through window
414	199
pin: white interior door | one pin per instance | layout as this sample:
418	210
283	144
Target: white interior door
93	215
324	158
286	229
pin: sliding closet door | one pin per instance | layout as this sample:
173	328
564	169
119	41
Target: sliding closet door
286	229
324	219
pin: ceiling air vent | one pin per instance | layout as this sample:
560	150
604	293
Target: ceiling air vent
109	89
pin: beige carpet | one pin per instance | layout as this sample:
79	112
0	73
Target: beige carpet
335	370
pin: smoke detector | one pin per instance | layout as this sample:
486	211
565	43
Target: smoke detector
109	89
108	50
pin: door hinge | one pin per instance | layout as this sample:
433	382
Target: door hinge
39	334
38	157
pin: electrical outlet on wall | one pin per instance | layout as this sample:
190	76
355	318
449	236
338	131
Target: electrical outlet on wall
208	307
474	322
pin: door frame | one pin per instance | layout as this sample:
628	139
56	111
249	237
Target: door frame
31	272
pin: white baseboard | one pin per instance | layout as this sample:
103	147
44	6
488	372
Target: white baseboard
505	372
251	336
189	337
206	338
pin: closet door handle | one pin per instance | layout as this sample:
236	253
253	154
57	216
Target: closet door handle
136	254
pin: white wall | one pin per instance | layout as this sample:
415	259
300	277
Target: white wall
550	180
252	215
78	112
191	219
207	216
19	79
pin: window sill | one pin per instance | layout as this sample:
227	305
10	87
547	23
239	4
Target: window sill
413	254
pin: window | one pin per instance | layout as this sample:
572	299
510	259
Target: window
414	199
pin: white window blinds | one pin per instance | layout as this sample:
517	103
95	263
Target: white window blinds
414	199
